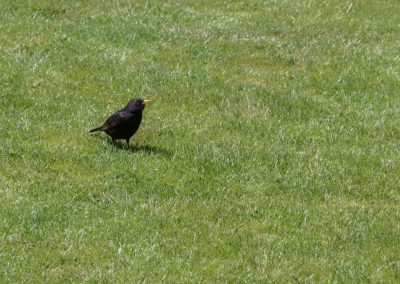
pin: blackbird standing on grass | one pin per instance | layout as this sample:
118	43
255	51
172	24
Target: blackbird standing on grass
125	122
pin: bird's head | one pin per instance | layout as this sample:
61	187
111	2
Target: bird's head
136	105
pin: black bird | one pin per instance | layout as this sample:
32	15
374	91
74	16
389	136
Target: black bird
125	122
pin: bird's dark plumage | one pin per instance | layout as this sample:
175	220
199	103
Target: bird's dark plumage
125	122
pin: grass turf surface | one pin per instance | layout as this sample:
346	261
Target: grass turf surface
270	150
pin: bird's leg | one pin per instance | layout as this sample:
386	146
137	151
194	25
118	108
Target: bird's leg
127	141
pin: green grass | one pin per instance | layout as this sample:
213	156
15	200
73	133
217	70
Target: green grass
270	150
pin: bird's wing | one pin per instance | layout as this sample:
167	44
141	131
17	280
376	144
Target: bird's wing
114	120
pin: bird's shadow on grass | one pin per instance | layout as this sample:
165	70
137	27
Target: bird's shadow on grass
134	148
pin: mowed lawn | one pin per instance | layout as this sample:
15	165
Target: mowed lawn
269	152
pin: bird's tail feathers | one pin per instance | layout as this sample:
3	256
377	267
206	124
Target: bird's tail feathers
95	129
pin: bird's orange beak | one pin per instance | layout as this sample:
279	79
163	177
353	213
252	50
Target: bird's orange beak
145	102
